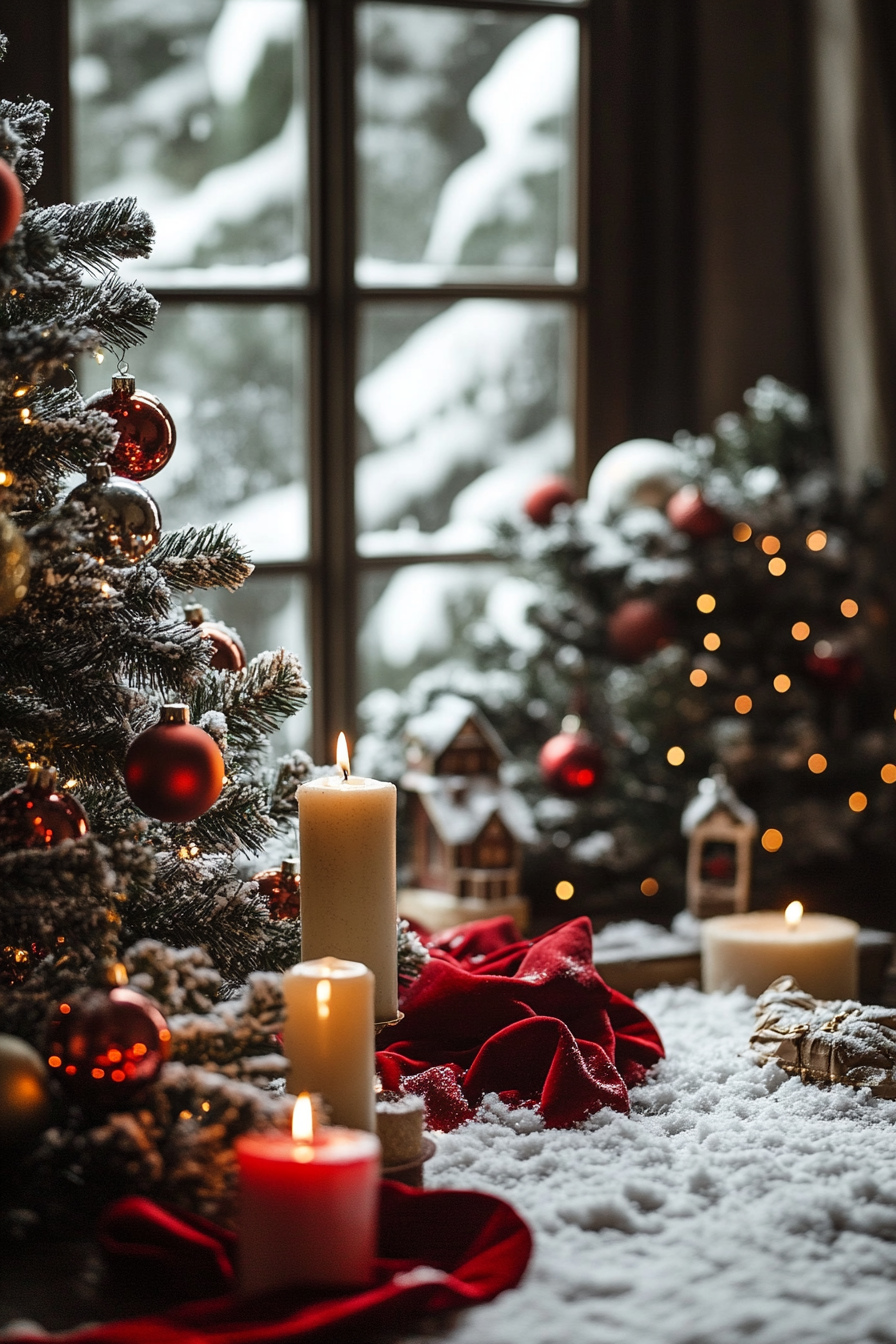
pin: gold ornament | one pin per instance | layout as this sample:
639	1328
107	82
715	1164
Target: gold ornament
24	1095
15	565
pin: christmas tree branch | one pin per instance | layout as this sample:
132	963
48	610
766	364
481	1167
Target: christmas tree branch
206	557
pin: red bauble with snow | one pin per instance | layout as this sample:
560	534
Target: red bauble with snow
571	764
689	512
638	628
146	433
12	202
281	888
106	1046
228	650
174	771
540	503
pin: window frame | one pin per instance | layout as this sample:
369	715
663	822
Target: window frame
598	300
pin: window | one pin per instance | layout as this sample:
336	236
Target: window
376	297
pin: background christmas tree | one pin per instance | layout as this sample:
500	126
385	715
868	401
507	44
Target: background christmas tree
713	600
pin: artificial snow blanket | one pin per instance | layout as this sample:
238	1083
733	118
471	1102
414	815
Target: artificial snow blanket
734	1203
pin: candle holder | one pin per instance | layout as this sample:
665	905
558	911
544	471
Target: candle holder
389	1022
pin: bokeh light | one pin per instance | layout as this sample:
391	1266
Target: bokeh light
711	641
772	840
743	704
706	603
816	541
800	630
675	756
777	566
650	886
698	677
564	891
849	607
857	802
770	545
817	763
782	682
888	773
742	532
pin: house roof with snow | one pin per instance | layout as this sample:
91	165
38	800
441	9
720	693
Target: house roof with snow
715	793
434	731
460	806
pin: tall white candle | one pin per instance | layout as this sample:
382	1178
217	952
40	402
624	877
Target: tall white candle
347	838
328	1037
753	949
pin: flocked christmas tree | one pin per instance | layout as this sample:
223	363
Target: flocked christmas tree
125	831
713	602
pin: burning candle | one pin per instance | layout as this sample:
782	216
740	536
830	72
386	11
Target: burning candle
328	1037
753	949
308	1205
347	829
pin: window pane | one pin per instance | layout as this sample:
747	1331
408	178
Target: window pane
232	376
465	144
417	615
196	107
462	407
270	611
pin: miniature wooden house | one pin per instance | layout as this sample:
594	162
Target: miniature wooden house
720	830
468	827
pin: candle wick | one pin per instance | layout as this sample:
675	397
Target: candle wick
344	774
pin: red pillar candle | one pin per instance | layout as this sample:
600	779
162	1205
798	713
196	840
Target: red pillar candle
308	1206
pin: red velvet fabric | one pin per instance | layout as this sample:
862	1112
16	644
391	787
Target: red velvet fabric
438	1250
529	1019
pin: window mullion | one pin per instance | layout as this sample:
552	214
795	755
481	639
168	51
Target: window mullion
333	600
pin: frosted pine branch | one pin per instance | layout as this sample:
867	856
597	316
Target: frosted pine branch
206	557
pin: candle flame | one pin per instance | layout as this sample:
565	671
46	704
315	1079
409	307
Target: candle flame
342	757
793	914
324	990
303	1119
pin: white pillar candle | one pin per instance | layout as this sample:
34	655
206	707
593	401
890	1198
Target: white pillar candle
347	838
753	949
328	1037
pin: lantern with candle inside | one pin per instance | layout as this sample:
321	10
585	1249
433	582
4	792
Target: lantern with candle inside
328	1037
720	831
753	949
308	1205
347	830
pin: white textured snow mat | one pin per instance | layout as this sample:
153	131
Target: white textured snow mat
734	1203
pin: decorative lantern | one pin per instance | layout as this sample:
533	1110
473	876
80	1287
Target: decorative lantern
720	830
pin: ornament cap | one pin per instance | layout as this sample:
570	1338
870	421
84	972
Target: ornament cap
41	776
194	614
99	471
114	974
124	386
290	866
174	714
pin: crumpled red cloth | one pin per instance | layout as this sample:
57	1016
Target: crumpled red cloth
438	1250
529	1019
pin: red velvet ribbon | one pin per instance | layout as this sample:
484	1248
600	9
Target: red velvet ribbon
438	1250
528	1019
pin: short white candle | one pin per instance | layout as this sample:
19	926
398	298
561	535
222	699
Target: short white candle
349	910
753	949
328	1037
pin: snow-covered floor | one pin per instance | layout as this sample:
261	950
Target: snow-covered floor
734	1203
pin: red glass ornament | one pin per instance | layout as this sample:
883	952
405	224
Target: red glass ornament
638	628
39	813
837	671
571	764
281	888
540	503
146	433
174	771
12	202
689	512
229	651
106	1046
